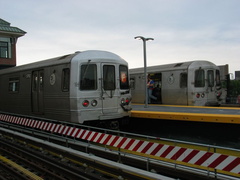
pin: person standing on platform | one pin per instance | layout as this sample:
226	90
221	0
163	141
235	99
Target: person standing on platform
150	84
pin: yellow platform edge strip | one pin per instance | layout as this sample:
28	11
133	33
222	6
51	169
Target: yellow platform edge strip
217	118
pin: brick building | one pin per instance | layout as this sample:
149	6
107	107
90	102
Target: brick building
8	40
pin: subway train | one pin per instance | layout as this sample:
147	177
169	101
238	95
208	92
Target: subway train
194	83
83	87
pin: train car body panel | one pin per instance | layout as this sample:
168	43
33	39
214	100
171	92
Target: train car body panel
67	88
187	83
36	89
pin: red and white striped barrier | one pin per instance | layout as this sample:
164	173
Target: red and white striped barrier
200	158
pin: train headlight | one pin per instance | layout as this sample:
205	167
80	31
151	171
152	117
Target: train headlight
197	95
122	101
203	95
85	103
94	103
125	101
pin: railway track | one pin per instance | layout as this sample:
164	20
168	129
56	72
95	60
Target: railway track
107	145
52	160
30	163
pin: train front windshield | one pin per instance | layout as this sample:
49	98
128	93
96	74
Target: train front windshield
123	70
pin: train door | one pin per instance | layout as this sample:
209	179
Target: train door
157	89
211	95
37	91
183	91
109	94
205	87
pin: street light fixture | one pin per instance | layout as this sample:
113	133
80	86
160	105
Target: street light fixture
145	64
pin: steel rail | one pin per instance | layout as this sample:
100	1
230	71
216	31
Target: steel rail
93	162
133	161
90	130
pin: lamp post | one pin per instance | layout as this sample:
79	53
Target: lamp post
145	65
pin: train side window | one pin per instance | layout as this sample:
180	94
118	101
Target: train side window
199	78
183	80
210	78
218	81
13	85
109	77
123	70
65	79
88	77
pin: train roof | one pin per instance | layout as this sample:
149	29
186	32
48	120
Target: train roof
90	54
173	66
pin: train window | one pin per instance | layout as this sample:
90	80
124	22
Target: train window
183	80
218	82
35	81
132	83
109	77
41	80
65	79
210	78
199	78
123	70
13	85
88	77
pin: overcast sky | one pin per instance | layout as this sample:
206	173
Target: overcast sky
183	30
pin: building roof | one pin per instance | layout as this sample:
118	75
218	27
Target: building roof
5	28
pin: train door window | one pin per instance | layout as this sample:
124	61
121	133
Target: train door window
183	80
88	77
40	81
109	77
35	82
210	78
218	82
13	85
132	83
199	78
123	70
65	79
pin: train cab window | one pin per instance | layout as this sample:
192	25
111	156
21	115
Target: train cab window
183	80
13	85
199	78
210	78
123	70
218	81
109	77
65	79
88	77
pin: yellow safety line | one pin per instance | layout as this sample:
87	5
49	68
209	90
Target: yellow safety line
199	107
217	118
20	168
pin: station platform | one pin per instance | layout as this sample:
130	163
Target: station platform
187	113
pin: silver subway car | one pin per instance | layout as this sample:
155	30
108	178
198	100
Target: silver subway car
81	87
195	83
